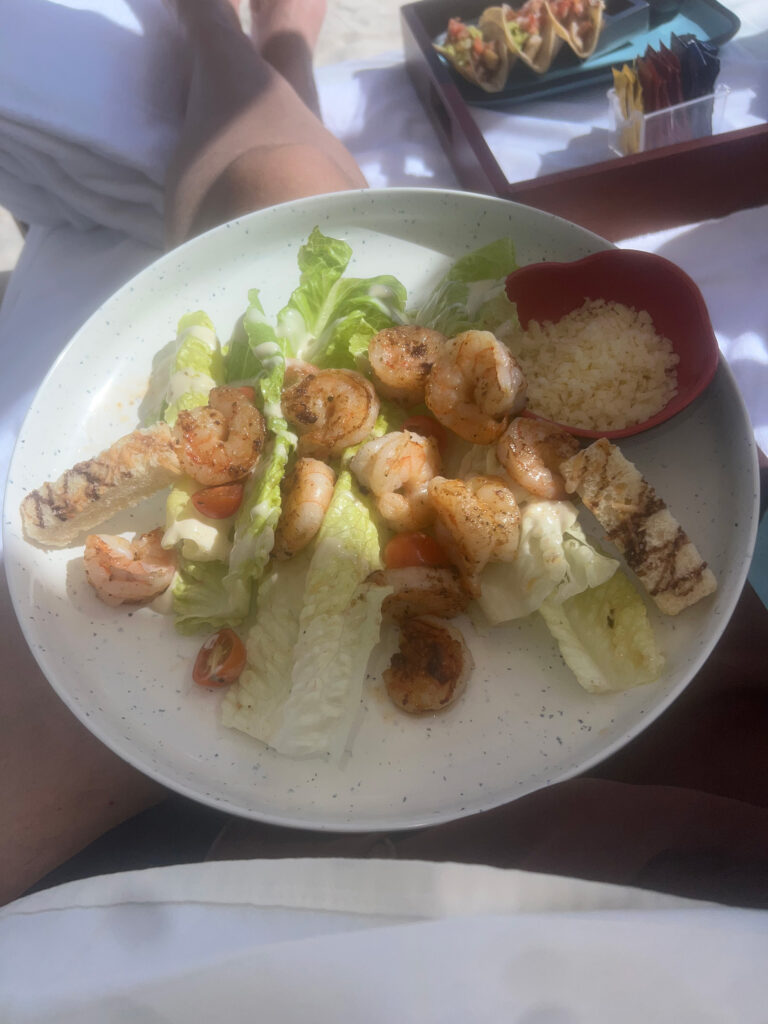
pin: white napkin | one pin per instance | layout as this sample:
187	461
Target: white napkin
728	260
91	99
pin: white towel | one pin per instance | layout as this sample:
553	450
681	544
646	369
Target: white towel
374	941
91	99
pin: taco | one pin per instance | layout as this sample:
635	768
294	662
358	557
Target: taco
478	54
578	22
529	32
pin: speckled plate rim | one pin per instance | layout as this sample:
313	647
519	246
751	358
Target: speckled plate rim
19	558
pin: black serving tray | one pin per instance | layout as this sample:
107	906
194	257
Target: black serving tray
629	27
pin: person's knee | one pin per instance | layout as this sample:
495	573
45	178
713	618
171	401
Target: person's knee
263	177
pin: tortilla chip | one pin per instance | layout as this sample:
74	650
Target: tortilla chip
583	46
537	52
630	99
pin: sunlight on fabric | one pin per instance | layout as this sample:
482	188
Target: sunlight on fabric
748	346
415	167
120	13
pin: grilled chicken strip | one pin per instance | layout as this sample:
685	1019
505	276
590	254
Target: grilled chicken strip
136	466
654	544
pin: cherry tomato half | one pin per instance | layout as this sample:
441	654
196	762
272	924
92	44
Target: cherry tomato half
408	549
218	502
426	426
220	660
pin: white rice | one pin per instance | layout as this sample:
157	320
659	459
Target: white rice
601	367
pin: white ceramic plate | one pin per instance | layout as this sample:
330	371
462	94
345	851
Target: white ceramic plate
524	722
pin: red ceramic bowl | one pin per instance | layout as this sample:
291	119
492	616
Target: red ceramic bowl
548	291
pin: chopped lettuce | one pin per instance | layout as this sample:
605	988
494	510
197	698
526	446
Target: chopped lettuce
554	560
605	636
330	319
472	294
201	601
317	624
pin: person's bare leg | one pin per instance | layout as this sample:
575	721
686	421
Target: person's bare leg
62	788
248	140
285	32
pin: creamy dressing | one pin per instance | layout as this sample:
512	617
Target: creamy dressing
199	541
273	410
269	354
293	326
183	382
202	333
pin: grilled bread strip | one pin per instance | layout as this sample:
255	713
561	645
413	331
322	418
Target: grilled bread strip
133	468
655	546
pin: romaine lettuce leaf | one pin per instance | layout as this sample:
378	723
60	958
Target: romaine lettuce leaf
329	319
605	636
255	350
317	623
254	704
197	367
201	602
322	261
554	558
586	567
472	296
338	627
183	371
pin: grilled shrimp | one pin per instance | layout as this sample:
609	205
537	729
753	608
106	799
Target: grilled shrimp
401	358
478	521
421	590
431	669
296	370
531	452
307	493
128	572
220	442
397	468
331	410
474	386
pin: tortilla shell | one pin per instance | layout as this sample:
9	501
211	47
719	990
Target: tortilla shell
596	13
539	60
492	34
